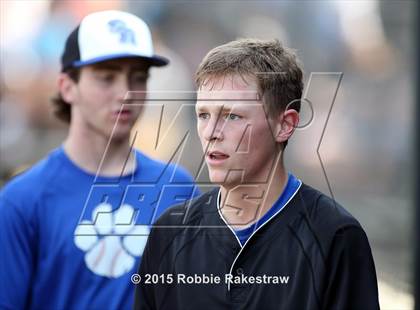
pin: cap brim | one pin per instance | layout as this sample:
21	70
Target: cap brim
155	60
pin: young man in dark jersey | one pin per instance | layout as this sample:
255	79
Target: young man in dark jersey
263	239
67	225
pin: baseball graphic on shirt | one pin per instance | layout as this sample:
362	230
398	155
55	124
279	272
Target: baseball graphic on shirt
111	241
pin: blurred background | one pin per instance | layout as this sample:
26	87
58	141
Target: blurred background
359	60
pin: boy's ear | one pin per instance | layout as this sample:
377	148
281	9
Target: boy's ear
67	88
286	124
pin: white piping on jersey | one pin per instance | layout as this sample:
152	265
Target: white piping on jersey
249	238
231	229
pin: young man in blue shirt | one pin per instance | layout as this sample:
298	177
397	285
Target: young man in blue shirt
74	226
263	239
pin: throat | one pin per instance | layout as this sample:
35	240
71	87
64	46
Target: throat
244	205
108	160
245	210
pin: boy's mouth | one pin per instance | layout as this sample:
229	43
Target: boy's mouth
122	115
217	156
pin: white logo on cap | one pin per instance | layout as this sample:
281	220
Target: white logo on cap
126	34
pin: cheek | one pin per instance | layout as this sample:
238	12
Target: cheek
200	130
138	95
91	97
261	142
247	138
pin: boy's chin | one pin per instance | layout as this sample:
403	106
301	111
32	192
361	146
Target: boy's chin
120	133
227	180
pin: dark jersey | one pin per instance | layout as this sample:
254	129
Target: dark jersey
312	255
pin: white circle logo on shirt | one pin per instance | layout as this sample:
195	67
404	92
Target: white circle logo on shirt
112	242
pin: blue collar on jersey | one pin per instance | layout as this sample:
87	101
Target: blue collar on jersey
292	186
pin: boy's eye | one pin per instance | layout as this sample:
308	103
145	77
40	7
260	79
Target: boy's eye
106	77
203	115
232	117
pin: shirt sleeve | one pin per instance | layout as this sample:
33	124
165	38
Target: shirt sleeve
17	256
351	282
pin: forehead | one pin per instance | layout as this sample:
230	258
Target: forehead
228	91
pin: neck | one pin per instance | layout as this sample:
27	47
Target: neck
96	154
245	204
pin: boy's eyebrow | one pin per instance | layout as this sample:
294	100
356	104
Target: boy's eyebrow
107	67
224	108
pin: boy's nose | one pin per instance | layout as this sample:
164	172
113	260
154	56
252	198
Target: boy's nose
214	130
122	88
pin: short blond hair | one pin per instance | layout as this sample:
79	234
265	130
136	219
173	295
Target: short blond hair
262	59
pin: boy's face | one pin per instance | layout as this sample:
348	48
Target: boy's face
99	94
235	133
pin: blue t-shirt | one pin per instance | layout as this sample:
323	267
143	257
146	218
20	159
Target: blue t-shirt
72	241
289	191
